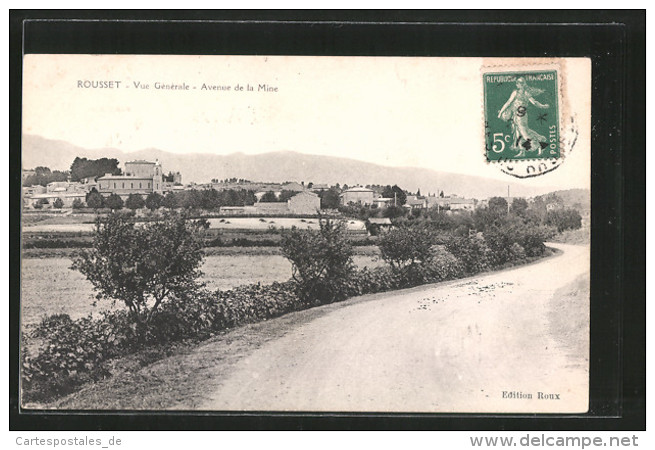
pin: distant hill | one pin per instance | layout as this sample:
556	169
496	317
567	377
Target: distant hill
579	199
278	167
576	198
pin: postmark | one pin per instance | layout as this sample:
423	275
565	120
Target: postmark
523	133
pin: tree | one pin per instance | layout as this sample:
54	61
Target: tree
114	202
394	211
134	202
210	199
143	266
154	201
519	207
94	200
93	168
170	201
330	199
43	176
191	199
77	204
269	197
396	193
497	205
564	219
286	195
58	203
321	260
249	198
405	247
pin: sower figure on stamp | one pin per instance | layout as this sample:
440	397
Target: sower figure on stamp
515	110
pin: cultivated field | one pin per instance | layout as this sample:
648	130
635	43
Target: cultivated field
232	223
50	287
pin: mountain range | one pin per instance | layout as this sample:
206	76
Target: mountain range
279	166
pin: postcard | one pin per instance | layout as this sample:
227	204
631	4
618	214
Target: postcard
305	233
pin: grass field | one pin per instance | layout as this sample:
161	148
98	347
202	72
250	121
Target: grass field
74	224
50	287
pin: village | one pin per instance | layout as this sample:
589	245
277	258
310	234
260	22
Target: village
141	179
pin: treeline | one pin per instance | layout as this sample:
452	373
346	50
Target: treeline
44	176
209	199
93	168
206	199
80	169
498	212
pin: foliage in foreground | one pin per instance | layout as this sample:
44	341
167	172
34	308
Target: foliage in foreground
321	260
70	353
143	266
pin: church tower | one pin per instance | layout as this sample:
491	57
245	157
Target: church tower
157	178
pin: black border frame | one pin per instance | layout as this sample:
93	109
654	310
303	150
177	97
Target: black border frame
614	40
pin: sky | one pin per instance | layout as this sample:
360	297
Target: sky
417	112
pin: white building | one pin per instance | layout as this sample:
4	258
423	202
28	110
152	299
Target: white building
358	195
141	177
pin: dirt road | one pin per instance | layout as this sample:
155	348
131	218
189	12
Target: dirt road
491	343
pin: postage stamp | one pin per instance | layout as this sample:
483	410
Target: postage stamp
521	115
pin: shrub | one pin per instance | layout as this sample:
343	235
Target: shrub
442	266
517	252
406	247
78	204
321	260
499	239
143	266
532	240
564	219
58	203
472	252
72	353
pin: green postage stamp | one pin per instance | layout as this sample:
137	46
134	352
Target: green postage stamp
522	116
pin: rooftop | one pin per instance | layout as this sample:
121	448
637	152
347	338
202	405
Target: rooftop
123	177
359	189
141	161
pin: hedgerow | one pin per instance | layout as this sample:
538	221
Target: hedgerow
61	354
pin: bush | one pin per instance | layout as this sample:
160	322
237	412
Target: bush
65	354
472	252
517	252
406	247
72	353
143	266
58	203
321	260
499	239
442	266
502	236
564	219
78	204
532	240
